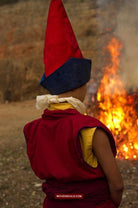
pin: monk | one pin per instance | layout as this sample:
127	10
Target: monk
72	152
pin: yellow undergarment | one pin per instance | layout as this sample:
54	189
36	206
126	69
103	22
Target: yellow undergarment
60	106
86	136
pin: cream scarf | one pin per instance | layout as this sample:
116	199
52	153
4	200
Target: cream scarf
44	101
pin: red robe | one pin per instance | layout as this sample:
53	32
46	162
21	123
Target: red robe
54	150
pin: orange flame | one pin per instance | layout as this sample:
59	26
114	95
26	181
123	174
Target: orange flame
115	110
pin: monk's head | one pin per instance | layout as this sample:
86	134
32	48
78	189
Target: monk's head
78	93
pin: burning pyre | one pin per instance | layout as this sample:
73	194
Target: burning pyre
116	109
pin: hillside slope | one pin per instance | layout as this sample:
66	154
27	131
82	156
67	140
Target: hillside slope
22	27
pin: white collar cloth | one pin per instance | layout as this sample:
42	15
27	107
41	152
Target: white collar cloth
44	101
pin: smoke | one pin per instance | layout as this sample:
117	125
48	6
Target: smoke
121	17
127	31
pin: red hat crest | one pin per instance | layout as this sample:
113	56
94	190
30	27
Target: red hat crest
60	41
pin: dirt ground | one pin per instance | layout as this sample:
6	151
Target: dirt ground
19	187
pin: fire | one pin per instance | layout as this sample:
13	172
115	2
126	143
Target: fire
116	110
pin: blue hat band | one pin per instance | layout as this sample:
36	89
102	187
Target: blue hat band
71	75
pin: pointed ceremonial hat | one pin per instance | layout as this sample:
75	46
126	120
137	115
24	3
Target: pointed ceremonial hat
65	67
